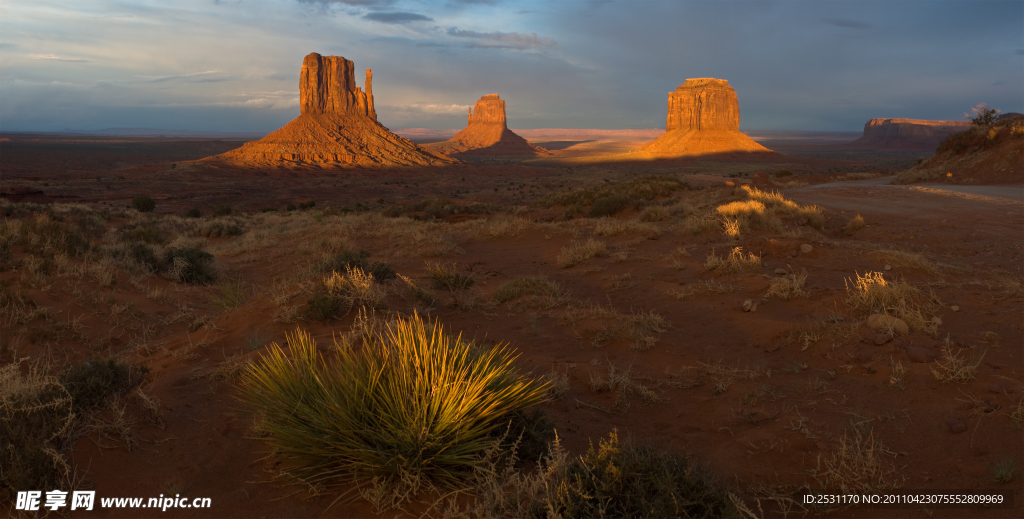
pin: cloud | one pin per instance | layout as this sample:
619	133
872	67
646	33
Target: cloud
160	79
397	18
54	57
1019	52
504	40
349	2
427	108
846	23
280	76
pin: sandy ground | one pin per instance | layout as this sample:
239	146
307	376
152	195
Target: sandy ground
760	398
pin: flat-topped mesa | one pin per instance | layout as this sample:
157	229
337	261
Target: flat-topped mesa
703	118
489	109
703	104
327	85
907	134
487	133
337	127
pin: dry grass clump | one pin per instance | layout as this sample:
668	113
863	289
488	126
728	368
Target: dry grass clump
788	286
616	479
873	294
448	277
356	288
855	224
857	464
899	373
542	293
904	259
412	408
508	227
36	415
419	295
736	261
778	205
581	252
741	216
615	227
654	213
953	367
698	224
622	383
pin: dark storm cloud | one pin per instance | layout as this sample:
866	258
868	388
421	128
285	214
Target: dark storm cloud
846	24
397	18
506	40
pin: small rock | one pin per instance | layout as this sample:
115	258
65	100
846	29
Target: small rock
937	320
956	426
990	337
747	304
882	338
806	248
753	307
888	267
920	355
882	322
801	222
781	272
955	308
999	387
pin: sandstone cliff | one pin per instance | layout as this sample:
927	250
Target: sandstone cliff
703	118
907	134
487	133
337	127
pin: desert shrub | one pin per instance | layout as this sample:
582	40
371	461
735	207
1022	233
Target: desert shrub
983	115
143	204
35	420
580	252
623	479
91	383
307	205
643	188
190	265
221	210
776	204
231	293
289	207
525	286
448	277
855	224
45	236
607	206
136	255
348	258
412	407
324	306
193	213
783	173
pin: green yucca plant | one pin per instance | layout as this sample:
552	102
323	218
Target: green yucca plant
413	406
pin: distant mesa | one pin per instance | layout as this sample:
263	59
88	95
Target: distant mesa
907	134
337	127
703	118
487	133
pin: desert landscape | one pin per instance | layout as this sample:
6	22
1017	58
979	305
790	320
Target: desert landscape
339	319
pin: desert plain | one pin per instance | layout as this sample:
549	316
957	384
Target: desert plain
807	312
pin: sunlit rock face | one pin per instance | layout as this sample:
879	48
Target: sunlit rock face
487	133
907	134
337	127
703	118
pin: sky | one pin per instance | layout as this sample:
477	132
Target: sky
233	65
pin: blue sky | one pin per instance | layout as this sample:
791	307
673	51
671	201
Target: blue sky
211	65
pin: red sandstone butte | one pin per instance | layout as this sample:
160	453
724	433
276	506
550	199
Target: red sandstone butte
703	118
907	134
487	133
337	127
